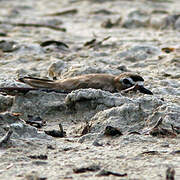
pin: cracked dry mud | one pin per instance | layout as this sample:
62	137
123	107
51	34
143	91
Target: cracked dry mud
61	39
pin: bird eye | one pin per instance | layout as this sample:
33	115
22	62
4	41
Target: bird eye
126	81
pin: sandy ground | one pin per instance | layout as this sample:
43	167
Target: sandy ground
124	154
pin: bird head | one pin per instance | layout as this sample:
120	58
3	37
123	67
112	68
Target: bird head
127	80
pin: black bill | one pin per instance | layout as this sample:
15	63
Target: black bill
142	89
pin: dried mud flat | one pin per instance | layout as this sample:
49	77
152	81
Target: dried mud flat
108	136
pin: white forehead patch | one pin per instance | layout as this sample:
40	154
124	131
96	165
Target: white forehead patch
140	83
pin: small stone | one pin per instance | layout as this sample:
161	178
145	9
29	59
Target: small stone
19	128
92	168
111	131
5	103
170	20
177	24
8	46
136	19
170	173
39	163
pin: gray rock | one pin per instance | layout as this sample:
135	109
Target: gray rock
170	20
140	52
128	117
177	24
78	105
90	102
88	137
99	107
95	97
10	83
148	103
85	103
8	46
30	48
19	128
24	72
173	115
135	116
136	19
54	48
39	103
157	21
5	103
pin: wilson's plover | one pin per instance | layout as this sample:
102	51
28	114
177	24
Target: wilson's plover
105	82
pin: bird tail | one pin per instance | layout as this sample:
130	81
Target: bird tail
37	83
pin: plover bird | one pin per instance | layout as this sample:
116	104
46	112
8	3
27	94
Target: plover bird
123	82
